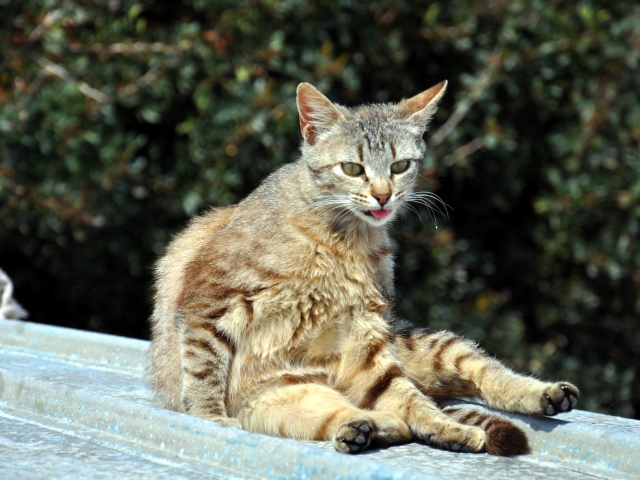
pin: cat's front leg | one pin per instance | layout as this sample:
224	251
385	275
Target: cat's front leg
447	366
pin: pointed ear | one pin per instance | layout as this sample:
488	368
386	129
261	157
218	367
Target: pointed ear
317	113
421	108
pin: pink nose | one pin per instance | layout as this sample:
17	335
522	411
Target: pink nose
382	199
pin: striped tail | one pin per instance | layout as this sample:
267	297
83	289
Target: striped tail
503	437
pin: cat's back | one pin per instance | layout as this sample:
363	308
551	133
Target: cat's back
164	359
225	241
220	231
184	249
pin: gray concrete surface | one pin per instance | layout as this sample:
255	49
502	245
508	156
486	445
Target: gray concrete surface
75	405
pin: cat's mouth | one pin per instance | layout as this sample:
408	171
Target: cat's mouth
379	214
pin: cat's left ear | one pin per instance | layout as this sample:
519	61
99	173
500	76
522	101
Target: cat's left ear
317	113
423	106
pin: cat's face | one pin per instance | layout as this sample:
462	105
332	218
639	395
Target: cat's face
364	161
367	165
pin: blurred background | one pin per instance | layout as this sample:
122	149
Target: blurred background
120	120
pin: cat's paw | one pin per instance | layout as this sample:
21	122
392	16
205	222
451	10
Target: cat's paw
354	435
227	421
460	438
559	398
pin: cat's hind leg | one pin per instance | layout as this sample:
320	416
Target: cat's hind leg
444	365
502	437
386	389
206	356
316	412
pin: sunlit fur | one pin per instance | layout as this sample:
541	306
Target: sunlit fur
274	315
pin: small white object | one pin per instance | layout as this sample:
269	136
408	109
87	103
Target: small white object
9	308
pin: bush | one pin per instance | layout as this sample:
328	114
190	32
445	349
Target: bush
119	120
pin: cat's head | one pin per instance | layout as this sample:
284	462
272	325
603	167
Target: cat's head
365	160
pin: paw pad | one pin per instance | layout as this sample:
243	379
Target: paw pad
353	437
560	398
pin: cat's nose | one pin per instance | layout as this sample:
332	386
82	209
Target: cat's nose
382	199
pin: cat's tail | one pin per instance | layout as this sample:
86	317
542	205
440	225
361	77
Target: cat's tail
503	437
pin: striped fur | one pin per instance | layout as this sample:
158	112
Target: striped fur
502	437
273	314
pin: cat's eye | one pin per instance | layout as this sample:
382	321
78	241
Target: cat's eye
352	169
400	166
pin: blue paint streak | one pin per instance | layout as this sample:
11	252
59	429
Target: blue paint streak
116	428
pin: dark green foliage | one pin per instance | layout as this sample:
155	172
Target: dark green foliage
120	120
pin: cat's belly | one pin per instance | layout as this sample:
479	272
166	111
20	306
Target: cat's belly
325	354
296	329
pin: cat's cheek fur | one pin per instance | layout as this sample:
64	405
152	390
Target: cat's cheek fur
274	314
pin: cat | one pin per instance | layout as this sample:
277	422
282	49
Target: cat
274	315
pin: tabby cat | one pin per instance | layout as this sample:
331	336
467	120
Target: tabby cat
274	315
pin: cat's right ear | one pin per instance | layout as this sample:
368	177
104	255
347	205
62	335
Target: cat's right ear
317	113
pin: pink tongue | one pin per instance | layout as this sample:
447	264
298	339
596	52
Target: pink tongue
379	213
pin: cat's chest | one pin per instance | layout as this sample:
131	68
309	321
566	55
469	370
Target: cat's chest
346	278
340	301
315	303
333	287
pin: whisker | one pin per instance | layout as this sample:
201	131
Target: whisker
342	205
327	202
429	200
431	196
432	213
342	214
429	180
335	201
426	194
410	207
432	206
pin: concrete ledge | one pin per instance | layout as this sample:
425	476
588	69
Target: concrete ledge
68	387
